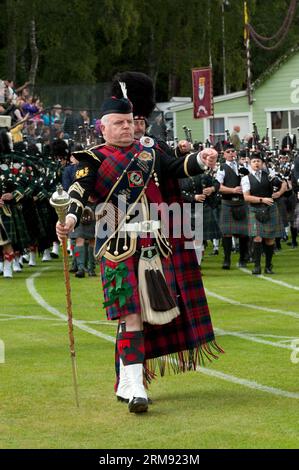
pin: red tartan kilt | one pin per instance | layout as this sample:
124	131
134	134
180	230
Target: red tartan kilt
193	327
133	303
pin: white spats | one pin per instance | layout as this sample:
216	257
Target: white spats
46	255
123	389
7	268
16	265
32	258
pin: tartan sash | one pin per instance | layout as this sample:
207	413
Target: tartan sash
134	172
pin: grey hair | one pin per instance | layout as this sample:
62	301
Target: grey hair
105	119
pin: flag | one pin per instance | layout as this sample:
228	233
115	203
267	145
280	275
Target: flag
202	92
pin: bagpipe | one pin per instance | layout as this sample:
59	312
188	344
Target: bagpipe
195	144
28	174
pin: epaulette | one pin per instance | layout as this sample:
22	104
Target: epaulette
91	154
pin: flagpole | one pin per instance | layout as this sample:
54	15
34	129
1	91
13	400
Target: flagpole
248	57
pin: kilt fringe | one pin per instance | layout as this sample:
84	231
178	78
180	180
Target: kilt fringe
181	361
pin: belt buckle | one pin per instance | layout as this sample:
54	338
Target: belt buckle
146	226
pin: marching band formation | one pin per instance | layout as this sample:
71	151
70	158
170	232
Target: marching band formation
250	199
230	215
152	284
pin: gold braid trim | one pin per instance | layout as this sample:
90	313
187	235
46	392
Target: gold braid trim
186	165
88	152
77	203
17	195
77	188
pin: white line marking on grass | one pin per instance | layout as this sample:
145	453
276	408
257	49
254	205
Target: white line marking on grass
220	375
38	298
270	279
288	338
26	317
254	339
248	383
252	306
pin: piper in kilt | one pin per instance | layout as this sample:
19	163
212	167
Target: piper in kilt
234	211
202	189
132	256
264	221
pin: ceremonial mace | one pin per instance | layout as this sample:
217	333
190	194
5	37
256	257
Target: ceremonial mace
60	200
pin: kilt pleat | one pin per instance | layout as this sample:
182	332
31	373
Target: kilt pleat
190	336
228	225
296	217
272	229
210	224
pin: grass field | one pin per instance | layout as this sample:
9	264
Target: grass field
249	398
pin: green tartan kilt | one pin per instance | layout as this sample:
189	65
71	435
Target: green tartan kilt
228	225
296	217
211	228
4	239
282	211
16	229
272	229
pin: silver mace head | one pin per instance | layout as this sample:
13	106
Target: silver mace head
60	200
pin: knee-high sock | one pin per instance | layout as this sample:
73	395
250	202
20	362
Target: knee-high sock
257	253
269	249
243	248
130	346
227	248
294	233
80	257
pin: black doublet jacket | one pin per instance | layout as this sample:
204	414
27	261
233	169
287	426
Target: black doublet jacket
89	180
90	160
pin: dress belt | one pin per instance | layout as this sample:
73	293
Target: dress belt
146	226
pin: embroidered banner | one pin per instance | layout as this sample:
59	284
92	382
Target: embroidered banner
202	92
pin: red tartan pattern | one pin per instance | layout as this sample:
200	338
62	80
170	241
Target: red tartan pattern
114	166
132	304
130	346
192	330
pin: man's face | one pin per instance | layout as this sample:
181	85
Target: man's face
118	129
256	164
229	154
139	128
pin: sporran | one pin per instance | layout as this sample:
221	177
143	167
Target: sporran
157	304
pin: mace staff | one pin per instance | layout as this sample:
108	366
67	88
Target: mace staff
60	200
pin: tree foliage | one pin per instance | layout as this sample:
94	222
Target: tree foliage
87	41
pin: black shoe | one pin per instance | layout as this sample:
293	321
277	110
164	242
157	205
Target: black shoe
54	255
80	273
91	274
215	252
242	264
122	399
73	270
138	405
269	270
256	270
226	265
126	400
